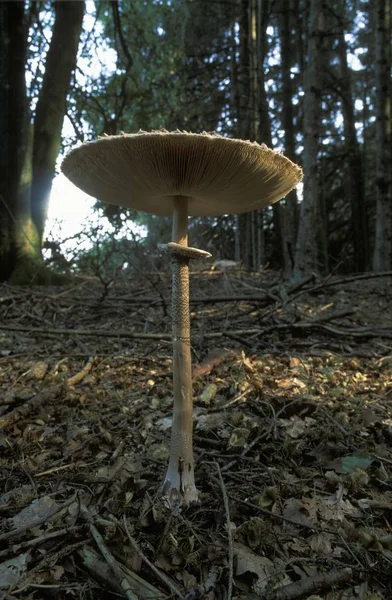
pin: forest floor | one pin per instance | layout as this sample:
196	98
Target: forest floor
292	439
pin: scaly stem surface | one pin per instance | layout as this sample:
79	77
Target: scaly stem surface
179	485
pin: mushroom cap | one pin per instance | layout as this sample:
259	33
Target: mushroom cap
217	175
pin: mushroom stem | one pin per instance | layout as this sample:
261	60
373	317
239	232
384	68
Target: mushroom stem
179	485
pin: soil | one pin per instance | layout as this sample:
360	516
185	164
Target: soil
292	440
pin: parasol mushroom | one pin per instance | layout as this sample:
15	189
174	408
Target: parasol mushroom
181	174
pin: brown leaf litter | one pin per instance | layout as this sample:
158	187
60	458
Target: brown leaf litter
293	431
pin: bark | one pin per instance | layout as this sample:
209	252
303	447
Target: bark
235	94
252	47
264	124
27	238
51	107
253	120
13	48
237	114
382	258
244	120
290	206
310	234
354	181
244	125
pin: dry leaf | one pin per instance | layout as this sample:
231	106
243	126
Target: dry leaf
12	570
39	509
208	394
247	561
303	512
38	371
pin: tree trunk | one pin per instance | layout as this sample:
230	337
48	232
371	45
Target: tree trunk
252	134
51	107
311	232
252	19
244	118
13	48
290	206
382	258
244	125
354	182
235	93
264	125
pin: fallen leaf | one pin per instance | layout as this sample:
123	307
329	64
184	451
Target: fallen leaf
295	363
336	509
238	438
38	371
247	561
320	544
42	508
347	464
213	359
210	421
208	394
12	570
302	512
288	384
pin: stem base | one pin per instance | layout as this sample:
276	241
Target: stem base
179	489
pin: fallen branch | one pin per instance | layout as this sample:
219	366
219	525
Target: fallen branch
23	411
358	277
13	398
118	574
16	548
36	522
229	532
117	334
302	325
174	590
87	332
103	573
311	585
385	332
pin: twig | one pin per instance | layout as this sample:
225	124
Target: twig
42	397
310	585
35	522
78	377
102	572
199	591
48	560
62	468
153	568
13	398
41	539
229	533
359	277
118	334
279	517
119	575
118	451
239	339
248	448
353	332
87	332
298	286
302	325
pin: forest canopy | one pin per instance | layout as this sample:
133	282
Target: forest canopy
308	78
